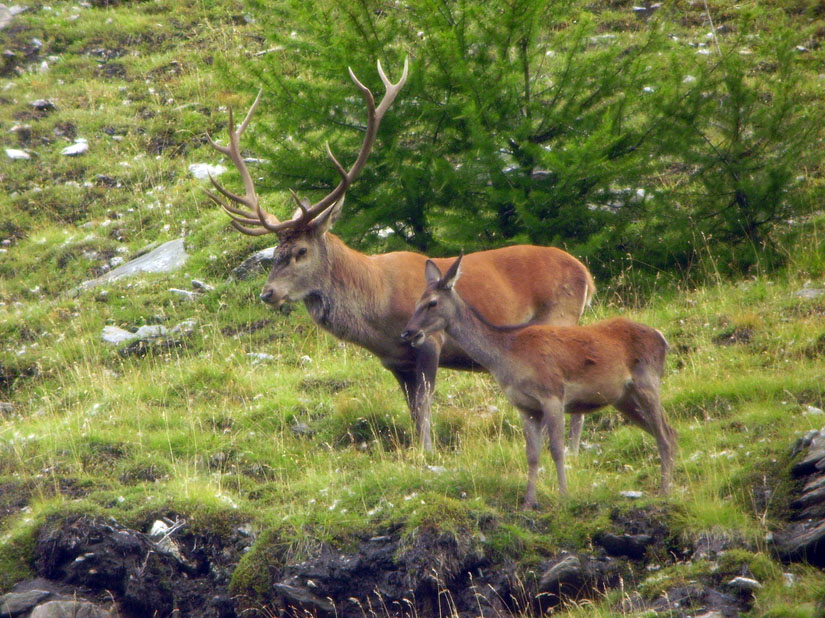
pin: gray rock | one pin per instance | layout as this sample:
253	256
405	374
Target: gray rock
116	335
43	105
301	429
628	545
150	331
631	494
302	599
745	584
5	16
17	155
809	293
202	171
184	294
185	328
17	603
566	573
80	146
809	463
256	263
69	609
202	286
168	257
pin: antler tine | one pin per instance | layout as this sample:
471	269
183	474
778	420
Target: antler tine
374	116
256	215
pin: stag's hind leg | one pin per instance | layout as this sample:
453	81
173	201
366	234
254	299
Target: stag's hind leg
641	404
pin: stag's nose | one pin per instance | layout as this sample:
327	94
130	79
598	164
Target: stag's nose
266	296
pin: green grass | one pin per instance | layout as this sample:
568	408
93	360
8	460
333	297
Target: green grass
208	430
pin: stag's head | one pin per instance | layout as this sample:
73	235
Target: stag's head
438	305
300	259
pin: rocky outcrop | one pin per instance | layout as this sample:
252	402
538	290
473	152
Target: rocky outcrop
804	537
97	568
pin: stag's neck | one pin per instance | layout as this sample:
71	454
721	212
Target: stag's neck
487	344
345	297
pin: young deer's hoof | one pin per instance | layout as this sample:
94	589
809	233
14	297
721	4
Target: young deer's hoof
529	505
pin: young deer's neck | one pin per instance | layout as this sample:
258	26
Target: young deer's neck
486	343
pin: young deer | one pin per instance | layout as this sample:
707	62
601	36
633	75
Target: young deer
546	371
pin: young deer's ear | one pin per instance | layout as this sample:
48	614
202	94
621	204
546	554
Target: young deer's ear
453	273
324	221
431	273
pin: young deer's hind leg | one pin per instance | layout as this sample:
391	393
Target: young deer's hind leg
532	436
576	424
554	426
641	404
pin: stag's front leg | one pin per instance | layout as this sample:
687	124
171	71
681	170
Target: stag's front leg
426	367
418	385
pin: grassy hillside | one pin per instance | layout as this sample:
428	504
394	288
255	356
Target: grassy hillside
313	443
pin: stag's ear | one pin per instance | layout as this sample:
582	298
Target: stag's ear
453	273
431	273
324	221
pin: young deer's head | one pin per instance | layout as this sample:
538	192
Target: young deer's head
438	304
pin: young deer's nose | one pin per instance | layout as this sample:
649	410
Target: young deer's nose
266	296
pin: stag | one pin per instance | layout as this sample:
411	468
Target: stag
367	299
546	371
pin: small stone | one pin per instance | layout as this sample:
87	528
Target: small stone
744	583
116	335
437	469
631	494
17	155
19	603
43	105
202	171
301	429
79	147
260	356
255	263
185	328
809	293
200	285
159	528
69	609
184	294
814	410
151	331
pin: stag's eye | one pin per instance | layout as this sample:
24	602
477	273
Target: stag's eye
432	303
300	253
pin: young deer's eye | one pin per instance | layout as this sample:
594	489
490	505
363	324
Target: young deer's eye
432	303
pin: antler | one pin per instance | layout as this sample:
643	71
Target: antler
254	214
